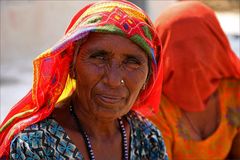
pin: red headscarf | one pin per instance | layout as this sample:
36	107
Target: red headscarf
196	54
52	82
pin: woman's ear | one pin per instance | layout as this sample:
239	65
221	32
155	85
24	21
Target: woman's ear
144	86
72	73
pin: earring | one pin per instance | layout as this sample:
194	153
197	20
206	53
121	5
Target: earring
122	82
144	86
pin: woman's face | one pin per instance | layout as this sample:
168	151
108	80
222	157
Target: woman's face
102	62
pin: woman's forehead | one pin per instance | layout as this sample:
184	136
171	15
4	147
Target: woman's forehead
111	42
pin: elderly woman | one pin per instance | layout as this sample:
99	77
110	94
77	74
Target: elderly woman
87	90
199	113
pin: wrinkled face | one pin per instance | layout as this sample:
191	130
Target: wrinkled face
102	62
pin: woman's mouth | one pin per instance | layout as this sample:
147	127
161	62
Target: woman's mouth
109	99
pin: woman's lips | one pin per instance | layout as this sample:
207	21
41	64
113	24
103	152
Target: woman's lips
110	99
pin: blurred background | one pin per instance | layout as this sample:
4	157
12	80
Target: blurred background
28	27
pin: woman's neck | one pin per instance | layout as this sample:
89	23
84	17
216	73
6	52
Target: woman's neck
96	127
206	122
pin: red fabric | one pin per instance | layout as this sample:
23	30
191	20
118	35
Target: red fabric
51	68
196	52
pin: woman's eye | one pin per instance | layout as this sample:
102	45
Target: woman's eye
132	62
98	56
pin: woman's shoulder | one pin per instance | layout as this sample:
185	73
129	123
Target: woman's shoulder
140	122
43	139
48	125
230	92
146	139
36	133
230	99
231	84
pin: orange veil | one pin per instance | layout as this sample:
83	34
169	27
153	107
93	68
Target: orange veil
196	53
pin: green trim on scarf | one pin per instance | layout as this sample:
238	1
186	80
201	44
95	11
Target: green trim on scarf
147	32
142	43
92	20
108	28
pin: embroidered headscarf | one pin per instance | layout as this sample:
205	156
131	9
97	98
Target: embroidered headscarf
52	82
196	53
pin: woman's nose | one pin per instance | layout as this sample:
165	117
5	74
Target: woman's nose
113	76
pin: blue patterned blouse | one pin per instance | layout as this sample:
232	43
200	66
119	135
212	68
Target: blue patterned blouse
48	140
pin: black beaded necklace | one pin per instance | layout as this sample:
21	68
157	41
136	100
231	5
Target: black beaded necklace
87	140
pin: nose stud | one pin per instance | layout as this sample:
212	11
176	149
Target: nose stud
122	82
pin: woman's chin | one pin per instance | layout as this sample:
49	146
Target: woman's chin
110	111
